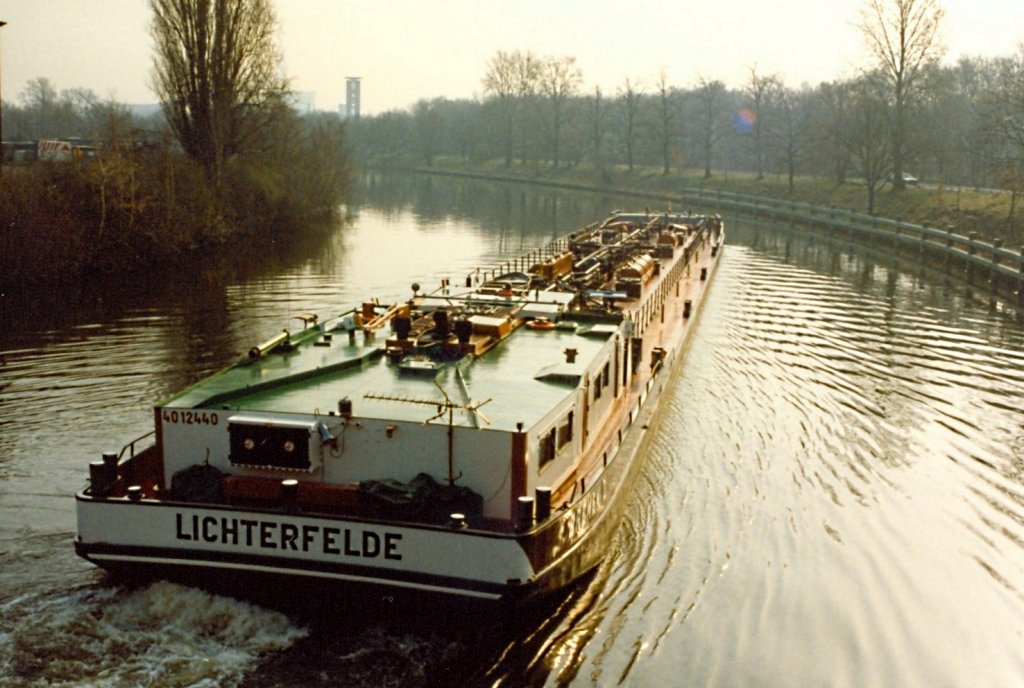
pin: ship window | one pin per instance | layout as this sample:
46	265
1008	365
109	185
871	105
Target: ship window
547	447
604	375
565	432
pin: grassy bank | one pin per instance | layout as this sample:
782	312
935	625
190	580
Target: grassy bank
966	210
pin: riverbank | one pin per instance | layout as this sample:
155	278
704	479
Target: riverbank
128	209
965	210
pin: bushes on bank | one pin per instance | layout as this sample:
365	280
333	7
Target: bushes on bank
130	207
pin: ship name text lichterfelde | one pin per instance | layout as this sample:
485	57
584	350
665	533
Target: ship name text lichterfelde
272	535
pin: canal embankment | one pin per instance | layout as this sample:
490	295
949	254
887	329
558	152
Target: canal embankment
969	234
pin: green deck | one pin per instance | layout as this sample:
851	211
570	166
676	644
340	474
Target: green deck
312	379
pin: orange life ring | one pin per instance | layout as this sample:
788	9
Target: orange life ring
540	324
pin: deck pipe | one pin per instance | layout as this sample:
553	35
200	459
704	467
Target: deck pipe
269	345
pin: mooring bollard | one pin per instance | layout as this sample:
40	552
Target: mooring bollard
98	479
524	513
290	493
543	503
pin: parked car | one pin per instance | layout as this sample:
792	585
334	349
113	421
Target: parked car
908	179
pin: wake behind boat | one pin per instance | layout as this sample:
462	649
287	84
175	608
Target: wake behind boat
479	441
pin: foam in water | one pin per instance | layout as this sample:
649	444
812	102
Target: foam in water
162	634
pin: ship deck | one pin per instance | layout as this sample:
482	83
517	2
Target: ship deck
314	377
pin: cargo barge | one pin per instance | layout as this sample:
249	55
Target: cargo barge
477	441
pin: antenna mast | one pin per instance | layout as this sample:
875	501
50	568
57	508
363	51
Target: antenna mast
443	406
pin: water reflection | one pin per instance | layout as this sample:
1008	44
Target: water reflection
834	495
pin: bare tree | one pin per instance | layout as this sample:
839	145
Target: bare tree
830	141
667	114
903	35
500	84
43	108
1008	100
428	122
559	80
711	97
510	80
976	79
598	128
762	91
1005	113
629	95
869	137
791	131
216	75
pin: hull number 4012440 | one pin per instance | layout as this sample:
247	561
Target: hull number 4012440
190	417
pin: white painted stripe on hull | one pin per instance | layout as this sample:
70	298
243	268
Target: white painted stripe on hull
434	553
292	572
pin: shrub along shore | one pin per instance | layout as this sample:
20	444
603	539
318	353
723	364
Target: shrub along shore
989	213
126	209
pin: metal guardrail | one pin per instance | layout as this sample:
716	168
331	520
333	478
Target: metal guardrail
1001	267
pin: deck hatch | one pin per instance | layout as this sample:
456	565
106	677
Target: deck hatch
563	373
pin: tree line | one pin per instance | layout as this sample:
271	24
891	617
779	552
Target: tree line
903	116
227	157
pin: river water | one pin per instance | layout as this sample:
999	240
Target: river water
834	496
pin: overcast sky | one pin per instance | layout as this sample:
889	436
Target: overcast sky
405	50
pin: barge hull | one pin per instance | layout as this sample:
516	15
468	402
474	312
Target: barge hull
139	528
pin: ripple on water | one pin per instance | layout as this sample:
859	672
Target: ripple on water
834	478
834	495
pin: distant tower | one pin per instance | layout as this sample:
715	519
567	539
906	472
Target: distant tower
352	97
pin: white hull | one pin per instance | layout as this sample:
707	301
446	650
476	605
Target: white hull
151	534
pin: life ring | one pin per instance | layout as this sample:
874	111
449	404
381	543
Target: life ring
540	324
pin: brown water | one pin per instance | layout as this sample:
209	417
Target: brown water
834	496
